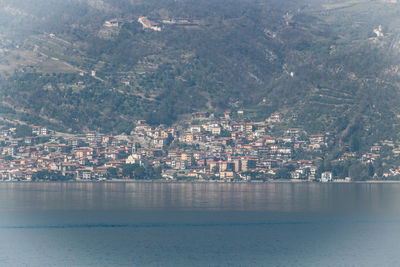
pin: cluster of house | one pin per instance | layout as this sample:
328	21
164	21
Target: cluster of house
148	24
151	25
203	148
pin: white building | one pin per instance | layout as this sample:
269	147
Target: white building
326	177
135	158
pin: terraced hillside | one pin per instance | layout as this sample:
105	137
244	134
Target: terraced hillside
77	65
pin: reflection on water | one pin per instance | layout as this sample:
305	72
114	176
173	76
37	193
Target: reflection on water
199	224
283	197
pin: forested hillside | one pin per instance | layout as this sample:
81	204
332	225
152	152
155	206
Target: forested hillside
91	64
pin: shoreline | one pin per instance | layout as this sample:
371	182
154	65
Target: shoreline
120	181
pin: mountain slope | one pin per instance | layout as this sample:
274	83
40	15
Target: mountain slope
332	64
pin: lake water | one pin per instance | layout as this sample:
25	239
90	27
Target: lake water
199	224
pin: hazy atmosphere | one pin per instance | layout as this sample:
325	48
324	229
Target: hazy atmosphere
199	132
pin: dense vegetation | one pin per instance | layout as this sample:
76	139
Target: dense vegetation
318	60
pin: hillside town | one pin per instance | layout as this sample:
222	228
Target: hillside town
204	148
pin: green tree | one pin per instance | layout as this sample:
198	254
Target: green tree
355	143
371	170
378	166
215	169
112	173
139	172
46	175
22	131
127	170
284	172
358	171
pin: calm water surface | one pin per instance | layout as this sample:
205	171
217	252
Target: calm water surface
199	224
